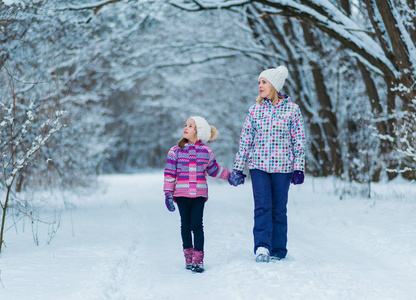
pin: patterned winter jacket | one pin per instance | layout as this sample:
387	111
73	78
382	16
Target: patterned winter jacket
272	138
185	171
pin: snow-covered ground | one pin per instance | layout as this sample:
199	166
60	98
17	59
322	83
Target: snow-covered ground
122	243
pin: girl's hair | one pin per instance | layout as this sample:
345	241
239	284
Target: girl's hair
214	134
275	96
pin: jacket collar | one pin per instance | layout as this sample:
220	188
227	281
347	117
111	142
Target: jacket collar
269	101
192	144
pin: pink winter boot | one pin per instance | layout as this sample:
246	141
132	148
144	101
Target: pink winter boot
198	261
188	257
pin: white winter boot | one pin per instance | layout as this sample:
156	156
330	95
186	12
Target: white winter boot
262	255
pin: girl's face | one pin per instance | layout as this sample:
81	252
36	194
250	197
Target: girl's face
265	88
189	132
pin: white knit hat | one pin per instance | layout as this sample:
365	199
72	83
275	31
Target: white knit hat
276	76
203	129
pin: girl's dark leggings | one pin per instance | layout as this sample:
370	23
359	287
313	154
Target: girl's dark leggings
192	211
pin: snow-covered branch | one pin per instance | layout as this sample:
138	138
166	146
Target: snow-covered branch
207	5
94	6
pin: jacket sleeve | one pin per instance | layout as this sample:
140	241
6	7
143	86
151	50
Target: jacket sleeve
170	172
246	141
297	135
215	170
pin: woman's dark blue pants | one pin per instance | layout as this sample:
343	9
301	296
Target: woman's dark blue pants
270	192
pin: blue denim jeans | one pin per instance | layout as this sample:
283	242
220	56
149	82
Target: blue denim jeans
270	192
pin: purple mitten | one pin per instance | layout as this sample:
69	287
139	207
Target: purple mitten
169	202
236	178
297	177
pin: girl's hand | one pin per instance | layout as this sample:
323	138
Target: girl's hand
236	178
169	202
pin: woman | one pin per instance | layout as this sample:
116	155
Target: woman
272	141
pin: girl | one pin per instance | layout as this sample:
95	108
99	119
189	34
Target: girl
185	183
273	142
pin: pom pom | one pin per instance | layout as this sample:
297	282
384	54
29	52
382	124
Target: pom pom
284	72
214	133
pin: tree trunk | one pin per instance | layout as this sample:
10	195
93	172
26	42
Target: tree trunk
398	55
326	112
377	111
391	162
3	220
346	6
400	58
412	29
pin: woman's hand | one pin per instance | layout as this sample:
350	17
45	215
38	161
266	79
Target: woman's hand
297	177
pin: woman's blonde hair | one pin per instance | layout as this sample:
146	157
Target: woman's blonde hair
274	95
214	134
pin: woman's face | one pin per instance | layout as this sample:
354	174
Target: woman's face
265	88
189	132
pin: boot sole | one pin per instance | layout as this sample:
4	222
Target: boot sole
263	258
197	269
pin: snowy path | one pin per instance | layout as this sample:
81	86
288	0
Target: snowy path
127	246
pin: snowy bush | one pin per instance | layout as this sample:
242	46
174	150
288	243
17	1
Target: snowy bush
26	127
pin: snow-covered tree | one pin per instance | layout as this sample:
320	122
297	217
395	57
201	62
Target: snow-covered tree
384	47
122	73
26	127
130	72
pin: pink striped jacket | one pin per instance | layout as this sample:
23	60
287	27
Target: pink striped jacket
185	171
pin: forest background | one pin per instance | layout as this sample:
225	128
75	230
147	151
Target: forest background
101	87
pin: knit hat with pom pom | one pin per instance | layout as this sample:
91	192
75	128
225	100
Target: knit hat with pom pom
276	76
203	129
